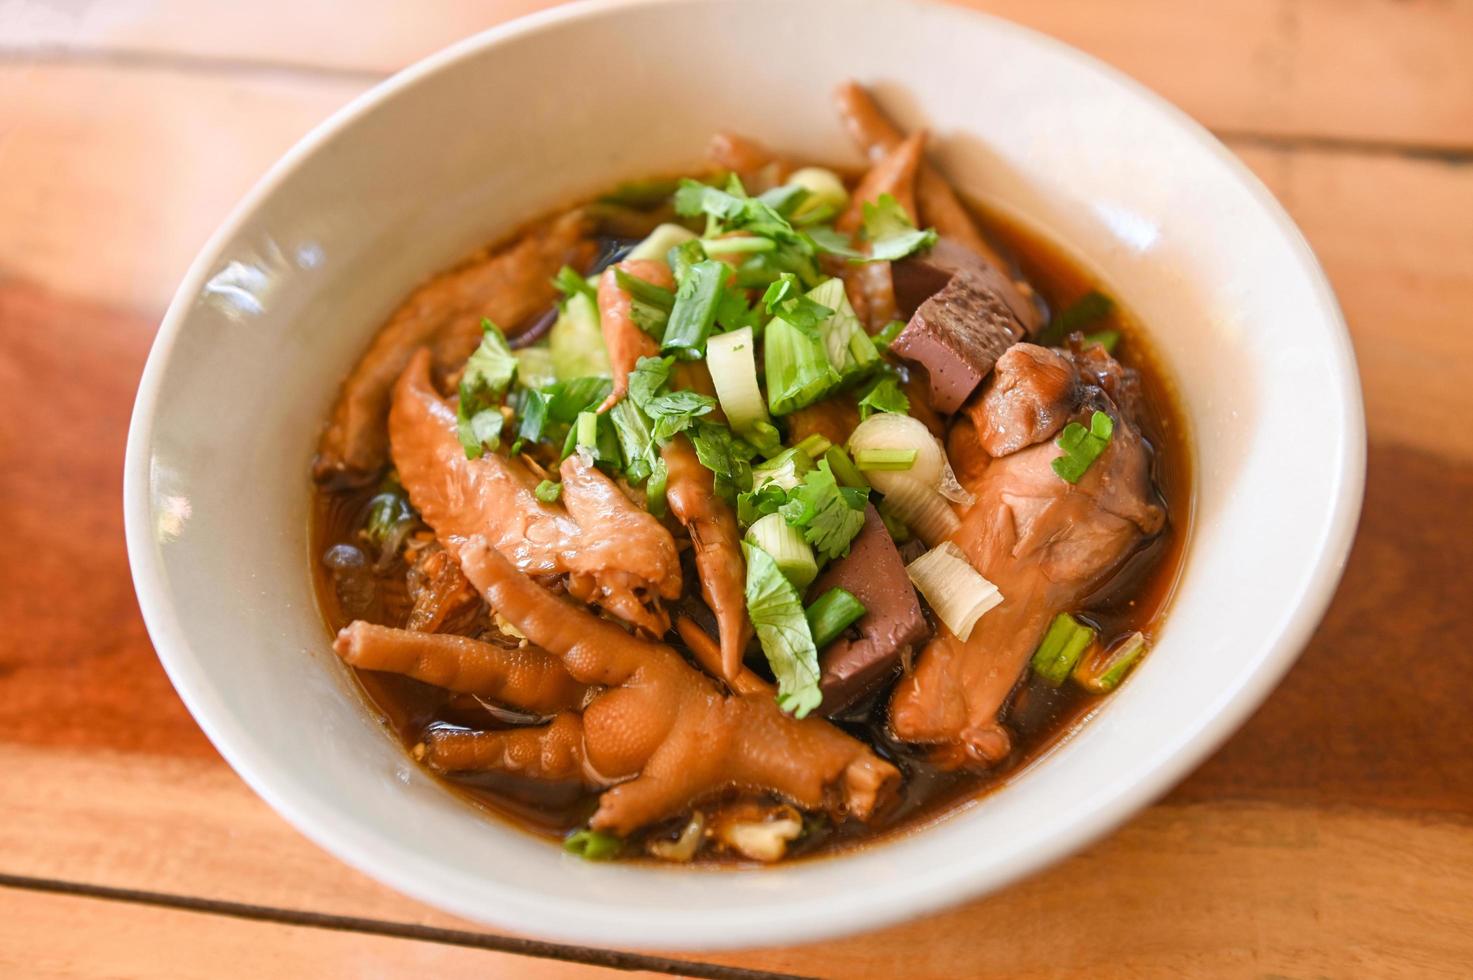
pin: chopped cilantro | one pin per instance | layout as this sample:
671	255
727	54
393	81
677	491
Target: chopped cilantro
889	231
828	514
488	373
1093	305
884	396
776	611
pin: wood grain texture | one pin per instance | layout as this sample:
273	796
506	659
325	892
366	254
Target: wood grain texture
1388	70
127	940
1330	837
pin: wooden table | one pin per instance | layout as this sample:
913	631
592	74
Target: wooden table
1333	836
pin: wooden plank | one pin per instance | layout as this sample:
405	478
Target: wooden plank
109	783
1395	235
63	937
99	160
1359	70
1294	890
112	179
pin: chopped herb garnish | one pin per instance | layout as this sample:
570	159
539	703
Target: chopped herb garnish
725	455
1062	646
644	292
890	233
826	239
593	845
885	460
1093	305
776	612
844	469
488	373
642	194
548	492
570	284
695	308
828	514
1103	338
1082	446
888	333
884	396
831	614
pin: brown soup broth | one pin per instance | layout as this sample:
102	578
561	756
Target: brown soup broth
1135	598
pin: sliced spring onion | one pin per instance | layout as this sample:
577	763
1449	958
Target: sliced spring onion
785	470
593	845
586	430
923	510
850	350
793	555
660	241
1081	447
888	431
889	460
798	369
644	292
893	524
814	445
1062	646
548	492
1104	338
844	469
576	342
1103	670
831	614
958	594
731	358
826	198
737	244
535	367
695	309
1093	305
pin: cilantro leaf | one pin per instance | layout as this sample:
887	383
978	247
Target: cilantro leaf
828	514
721	452
890	233
1082	446
1093	305
488	373
884	396
650	374
776	611
827	239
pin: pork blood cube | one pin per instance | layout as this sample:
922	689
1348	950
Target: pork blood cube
956	336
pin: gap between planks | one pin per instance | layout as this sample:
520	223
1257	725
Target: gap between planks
585	955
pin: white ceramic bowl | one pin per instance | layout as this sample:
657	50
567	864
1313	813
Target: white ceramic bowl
504	126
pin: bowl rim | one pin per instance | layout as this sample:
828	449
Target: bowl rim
332	831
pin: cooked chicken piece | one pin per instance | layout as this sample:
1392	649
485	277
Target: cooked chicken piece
1033	393
625	340
445	314
717	540
1044	542
938	204
523	676
663	732
492	498
758	167
440	592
